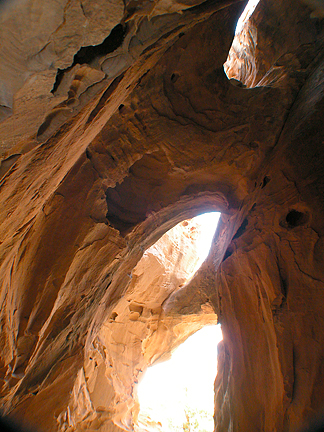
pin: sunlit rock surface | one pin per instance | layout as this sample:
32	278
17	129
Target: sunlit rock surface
118	122
137	332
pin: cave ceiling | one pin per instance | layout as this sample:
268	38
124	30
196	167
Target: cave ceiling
118	121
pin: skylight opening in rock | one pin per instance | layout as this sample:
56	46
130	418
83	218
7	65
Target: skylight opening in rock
248	11
190	239
178	394
207	224
240	66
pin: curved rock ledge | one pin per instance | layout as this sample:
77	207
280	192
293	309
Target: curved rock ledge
118	122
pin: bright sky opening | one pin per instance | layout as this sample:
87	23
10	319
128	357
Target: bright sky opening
208	223
186	382
248	11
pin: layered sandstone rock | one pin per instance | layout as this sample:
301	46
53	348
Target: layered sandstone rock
137	333
118	122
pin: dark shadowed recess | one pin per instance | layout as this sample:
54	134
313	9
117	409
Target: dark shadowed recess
87	54
240	231
295	218
152	185
140	193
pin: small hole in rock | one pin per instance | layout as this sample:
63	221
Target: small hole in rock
227	254
241	229
265	181
174	77
58	79
114	315
295	218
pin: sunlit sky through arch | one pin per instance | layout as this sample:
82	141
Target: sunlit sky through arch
208	223
248	11
187	380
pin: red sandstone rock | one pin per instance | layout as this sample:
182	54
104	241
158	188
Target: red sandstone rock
134	135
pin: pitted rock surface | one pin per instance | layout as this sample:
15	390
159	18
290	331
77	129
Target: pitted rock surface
117	123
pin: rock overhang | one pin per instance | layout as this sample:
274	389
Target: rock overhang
123	157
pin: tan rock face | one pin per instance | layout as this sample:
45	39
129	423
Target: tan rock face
118	122
137	333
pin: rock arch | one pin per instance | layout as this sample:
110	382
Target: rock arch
160	137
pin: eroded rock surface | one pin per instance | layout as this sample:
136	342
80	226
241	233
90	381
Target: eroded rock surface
118	122
137	333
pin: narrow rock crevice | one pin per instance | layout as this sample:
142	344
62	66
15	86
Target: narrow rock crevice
86	55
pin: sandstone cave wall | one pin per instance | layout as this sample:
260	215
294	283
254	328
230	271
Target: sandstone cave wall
156	135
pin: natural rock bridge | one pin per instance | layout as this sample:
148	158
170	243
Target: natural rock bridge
117	123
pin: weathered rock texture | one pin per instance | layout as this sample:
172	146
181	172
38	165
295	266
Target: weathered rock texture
118	122
138	332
